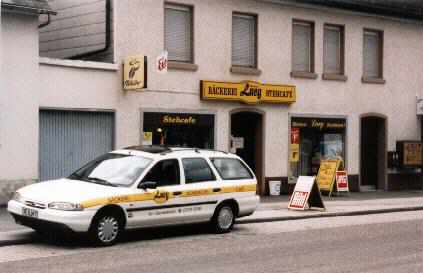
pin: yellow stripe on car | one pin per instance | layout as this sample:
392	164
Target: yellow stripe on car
160	196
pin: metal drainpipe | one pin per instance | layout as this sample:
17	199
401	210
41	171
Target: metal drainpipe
45	23
108	37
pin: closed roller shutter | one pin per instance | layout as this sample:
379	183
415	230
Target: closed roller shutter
69	139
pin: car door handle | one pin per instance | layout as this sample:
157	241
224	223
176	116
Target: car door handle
217	189
177	193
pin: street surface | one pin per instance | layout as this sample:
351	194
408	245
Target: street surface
391	242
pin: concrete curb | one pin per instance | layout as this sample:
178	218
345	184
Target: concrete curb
15	238
326	214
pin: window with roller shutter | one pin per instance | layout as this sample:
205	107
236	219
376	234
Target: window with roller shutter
179	33
302	47
333	55
372	55
244	40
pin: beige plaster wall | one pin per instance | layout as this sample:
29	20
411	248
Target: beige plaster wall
139	30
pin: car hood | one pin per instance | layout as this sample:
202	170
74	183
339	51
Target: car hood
67	190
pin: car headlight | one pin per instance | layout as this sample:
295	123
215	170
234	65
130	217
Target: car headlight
65	206
17	197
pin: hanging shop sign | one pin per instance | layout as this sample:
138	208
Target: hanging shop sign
135	72
327	173
342	181
306	195
318	123
410	153
249	92
162	62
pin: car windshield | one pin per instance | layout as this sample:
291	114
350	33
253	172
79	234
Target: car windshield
113	170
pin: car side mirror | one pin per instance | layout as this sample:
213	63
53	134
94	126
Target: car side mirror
147	185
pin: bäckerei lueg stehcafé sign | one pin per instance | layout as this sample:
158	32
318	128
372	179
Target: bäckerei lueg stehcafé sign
250	92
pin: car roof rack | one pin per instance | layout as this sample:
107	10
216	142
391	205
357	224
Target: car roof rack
154	149
160	149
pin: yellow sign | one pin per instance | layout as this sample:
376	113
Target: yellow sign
134	72
327	173
250	92
167	119
295	152
161	197
413	153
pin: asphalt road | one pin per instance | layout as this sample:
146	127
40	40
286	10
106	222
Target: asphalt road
375	243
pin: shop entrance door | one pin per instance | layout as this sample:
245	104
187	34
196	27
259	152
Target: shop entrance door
373	153
249	127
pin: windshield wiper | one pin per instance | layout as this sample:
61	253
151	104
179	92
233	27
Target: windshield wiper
74	176
100	181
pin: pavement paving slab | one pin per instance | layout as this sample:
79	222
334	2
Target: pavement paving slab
275	208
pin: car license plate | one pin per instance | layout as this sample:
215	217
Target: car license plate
30	212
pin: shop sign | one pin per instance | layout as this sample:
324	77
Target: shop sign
182	120
327	173
294	151
135	72
342	181
319	124
413	154
306	195
147	138
249	92
238	142
161	62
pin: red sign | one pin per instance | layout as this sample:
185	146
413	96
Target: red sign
295	135
299	199
342	181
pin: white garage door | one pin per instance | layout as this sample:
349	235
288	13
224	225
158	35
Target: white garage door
69	139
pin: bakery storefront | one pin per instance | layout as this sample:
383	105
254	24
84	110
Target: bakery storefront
312	140
178	129
247	125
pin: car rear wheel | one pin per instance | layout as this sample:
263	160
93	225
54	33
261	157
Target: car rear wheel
223	219
106	229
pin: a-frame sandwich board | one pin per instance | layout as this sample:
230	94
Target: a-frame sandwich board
306	195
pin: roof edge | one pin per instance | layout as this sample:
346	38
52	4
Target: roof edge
26	9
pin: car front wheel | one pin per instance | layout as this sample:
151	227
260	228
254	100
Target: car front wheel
106	229
223	219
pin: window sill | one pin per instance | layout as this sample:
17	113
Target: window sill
303	75
182	66
245	70
373	80
334	77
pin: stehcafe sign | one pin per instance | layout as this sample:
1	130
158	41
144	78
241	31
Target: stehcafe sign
249	92
135	72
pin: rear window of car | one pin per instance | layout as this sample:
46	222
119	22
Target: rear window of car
231	168
197	170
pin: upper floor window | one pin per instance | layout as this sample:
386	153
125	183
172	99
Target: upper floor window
372	54
333	55
302	46
244	40
179	33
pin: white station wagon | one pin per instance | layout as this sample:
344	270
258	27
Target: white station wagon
141	186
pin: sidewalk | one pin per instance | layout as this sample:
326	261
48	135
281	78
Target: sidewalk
274	208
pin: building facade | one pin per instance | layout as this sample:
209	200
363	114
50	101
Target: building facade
354	78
